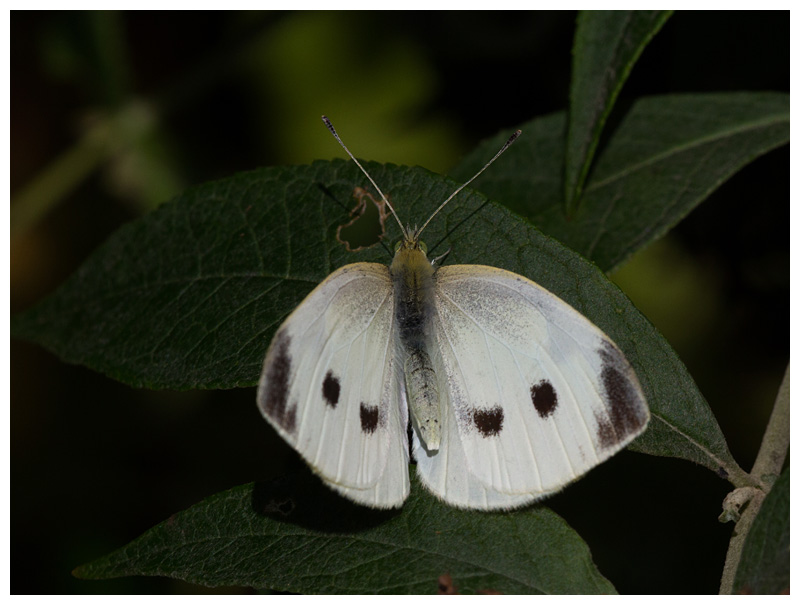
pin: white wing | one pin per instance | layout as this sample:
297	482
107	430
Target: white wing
536	394
330	388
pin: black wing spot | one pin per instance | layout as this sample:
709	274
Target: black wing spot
369	418
626	408
331	389
544	398
489	422
606	435
275	402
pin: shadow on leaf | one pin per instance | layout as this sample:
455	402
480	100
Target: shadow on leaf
302	499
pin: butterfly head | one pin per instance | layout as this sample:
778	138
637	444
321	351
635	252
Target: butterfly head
410	252
410	241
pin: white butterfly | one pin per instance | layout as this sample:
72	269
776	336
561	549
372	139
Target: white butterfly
512	393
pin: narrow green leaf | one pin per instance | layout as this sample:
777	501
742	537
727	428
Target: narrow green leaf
297	536
190	295
667	156
607	44
764	564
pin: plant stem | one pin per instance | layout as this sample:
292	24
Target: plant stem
736	544
108	135
775	443
54	182
765	471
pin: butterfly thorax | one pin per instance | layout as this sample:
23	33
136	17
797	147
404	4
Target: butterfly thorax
412	274
413	278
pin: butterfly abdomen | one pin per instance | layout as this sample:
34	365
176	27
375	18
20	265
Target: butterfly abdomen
423	396
412	275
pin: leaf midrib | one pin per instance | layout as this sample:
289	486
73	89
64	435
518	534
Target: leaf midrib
333	538
686	147
125	290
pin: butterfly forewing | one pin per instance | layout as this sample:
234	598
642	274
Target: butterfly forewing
538	394
329	386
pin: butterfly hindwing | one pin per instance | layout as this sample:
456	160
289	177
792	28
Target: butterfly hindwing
535	394
446	472
329	386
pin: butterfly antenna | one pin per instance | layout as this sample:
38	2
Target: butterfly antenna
352	157
510	140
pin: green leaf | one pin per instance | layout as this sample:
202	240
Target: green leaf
190	295
764	565
668	154
607	44
298	536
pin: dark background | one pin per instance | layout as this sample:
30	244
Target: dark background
95	463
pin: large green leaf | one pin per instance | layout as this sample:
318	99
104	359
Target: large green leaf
607	44
764	566
298	536
190	295
667	155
